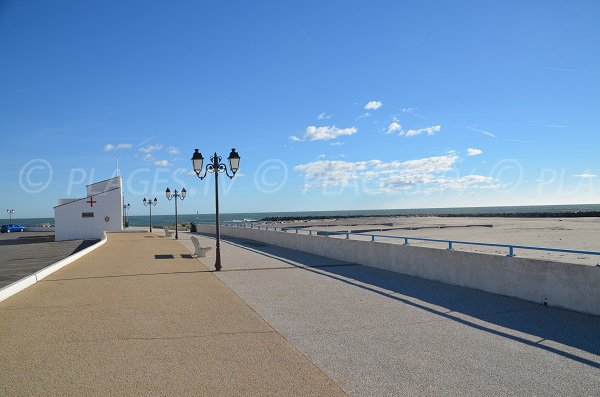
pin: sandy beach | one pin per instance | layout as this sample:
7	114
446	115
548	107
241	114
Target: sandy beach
564	233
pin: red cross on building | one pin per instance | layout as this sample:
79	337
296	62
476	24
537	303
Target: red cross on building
91	201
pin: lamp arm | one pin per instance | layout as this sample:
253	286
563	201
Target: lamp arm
209	167
227	172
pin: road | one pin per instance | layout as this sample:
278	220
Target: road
24	253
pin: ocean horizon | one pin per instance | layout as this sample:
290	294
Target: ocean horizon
158	220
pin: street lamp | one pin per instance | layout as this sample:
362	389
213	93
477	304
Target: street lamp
215	166
125	208
175	194
10	212
150	204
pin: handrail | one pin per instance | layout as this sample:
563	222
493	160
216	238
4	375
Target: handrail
511	247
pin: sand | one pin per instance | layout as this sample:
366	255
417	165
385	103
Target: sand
563	233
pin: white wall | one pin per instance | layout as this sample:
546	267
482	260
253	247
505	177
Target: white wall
70	225
104	186
566	285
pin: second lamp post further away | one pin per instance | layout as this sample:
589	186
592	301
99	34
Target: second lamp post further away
215	166
177	195
150	203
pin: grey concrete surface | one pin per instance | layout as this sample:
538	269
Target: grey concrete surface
380	333
24	253
564	285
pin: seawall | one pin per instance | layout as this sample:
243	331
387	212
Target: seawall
564	285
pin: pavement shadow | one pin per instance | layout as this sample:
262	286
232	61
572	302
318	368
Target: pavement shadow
492	313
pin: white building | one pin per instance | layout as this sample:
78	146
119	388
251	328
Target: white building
89	217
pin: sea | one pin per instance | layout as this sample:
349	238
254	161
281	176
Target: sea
159	220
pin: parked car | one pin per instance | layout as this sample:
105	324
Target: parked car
11	228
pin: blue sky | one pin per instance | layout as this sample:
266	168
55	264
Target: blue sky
331	104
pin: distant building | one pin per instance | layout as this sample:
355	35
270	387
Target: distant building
89	217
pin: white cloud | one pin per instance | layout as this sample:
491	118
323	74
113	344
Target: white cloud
543	181
468	181
150	148
364	115
336	143
323	133
394	127
173	150
373	105
586	175
412	111
473	152
376	176
162	163
321	156
324	173
479	130
427	130
110	147
324	116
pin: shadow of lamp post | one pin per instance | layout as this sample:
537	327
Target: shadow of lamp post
215	166
181	196
150	203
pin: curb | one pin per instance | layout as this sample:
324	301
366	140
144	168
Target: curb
28	281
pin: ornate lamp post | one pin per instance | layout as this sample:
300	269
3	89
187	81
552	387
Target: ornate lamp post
10	212
176	194
150	204
215	166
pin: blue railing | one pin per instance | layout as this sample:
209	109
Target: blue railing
510	247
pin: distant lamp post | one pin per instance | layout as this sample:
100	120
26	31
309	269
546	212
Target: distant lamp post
176	195
10	212
125	221
215	166
150	203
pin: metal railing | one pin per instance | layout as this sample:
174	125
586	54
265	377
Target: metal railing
509	247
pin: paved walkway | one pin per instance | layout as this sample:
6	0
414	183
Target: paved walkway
138	316
24	253
379	333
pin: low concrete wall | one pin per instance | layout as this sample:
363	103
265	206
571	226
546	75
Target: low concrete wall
38	229
565	285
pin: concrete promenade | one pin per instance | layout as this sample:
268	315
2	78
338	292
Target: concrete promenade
380	333
139	316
